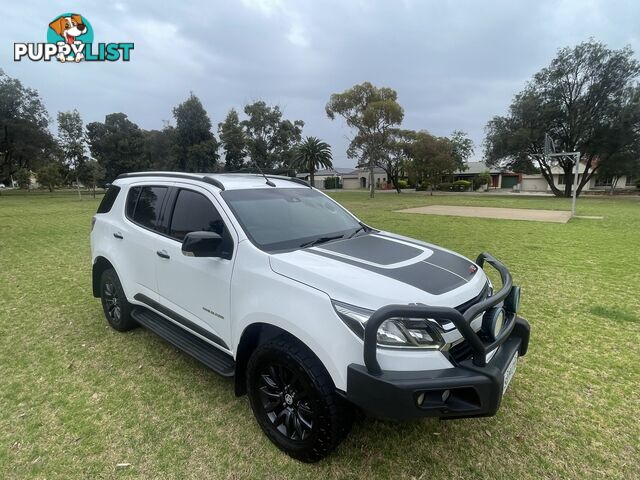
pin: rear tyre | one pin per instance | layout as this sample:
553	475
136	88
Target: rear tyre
294	400
114	302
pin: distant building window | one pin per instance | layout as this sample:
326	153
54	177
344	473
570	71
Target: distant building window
560	179
604	181
631	180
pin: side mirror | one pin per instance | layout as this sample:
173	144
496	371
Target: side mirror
201	244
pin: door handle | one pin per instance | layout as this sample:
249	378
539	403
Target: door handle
162	254
118	235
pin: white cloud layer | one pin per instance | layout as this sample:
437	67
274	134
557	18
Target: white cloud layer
455	64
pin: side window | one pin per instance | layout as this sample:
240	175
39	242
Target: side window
132	199
194	212
109	199
143	205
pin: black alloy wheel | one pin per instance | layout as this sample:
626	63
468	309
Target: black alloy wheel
286	402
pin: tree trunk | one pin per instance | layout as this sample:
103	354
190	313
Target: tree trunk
311	175
372	186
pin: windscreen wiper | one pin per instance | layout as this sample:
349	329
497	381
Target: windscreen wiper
359	229
320	240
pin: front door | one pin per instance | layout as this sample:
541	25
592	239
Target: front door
196	288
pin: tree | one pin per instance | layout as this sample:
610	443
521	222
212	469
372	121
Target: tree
23	177
372	112
481	179
625	164
50	175
25	140
91	173
158	149
270	140
397	153
312	154
203	157
117	144
586	99
71	139
233	141
432	158
462	148
193	137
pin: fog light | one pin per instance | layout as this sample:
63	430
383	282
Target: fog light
420	399
512	302
493	321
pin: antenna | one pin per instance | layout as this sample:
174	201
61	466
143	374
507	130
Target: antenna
269	182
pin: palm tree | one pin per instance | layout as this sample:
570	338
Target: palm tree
312	154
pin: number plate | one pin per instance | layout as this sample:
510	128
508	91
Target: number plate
508	374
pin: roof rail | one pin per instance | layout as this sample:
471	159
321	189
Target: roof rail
192	176
291	179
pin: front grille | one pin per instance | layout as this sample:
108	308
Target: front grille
461	351
484	293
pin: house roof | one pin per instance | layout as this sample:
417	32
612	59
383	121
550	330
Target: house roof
474	168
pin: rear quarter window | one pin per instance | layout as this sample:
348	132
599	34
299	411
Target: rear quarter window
109	199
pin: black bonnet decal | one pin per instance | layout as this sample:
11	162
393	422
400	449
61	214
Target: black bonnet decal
430	269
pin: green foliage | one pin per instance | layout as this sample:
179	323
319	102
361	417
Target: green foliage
481	179
158	149
311	155
233	141
332	183
25	140
403	184
23	177
462	148
431	158
196	146
71	138
463	184
203	156
373	113
91	173
118	144
587	99
50	175
270	140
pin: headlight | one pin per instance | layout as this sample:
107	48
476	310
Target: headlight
394	332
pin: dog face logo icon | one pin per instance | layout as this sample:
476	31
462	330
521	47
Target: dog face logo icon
70	29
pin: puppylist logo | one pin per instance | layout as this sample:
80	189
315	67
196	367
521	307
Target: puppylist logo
70	39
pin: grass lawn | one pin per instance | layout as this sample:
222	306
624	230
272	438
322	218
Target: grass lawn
77	398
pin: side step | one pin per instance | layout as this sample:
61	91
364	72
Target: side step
209	355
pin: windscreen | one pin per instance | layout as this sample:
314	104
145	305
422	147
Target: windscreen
287	218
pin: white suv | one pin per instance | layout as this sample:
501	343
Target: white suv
269	280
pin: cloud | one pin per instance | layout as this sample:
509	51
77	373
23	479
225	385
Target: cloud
455	64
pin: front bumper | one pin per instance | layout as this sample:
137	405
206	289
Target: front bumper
472	388
473	391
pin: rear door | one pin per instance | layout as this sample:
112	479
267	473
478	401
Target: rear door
138	236
197	289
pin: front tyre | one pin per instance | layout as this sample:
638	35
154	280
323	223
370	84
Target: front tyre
294	400
114	302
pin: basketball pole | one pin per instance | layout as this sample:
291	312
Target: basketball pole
575	184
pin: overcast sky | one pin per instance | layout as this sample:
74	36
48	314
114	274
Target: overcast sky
454	64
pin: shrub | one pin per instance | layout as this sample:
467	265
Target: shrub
461	185
481	179
403	184
638	183
331	183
